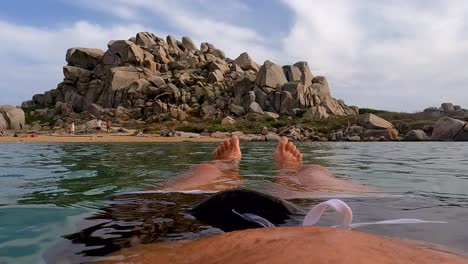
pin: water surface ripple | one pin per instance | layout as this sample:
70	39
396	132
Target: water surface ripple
48	190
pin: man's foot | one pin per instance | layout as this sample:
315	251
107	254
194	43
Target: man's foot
229	150
287	156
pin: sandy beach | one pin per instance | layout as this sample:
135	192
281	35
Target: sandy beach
95	138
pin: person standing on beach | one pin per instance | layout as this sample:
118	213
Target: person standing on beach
72	128
99	126
264	133
108	125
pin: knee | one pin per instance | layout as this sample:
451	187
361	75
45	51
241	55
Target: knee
204	166
315	169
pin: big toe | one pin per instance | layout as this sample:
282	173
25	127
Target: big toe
282	143
235	142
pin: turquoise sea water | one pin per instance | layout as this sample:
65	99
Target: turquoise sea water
48	191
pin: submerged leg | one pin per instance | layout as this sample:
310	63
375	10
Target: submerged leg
229	150
220	174
295	178
287	156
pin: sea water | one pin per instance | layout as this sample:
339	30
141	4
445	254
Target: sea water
86	200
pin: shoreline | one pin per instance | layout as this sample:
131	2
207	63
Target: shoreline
95	138
148	139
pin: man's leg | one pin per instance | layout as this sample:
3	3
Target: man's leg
220	174
295	178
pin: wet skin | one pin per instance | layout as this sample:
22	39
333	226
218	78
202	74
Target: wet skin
293	179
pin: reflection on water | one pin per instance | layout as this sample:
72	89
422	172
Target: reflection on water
131	219
47	191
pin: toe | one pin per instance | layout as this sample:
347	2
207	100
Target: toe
293	148
235	141
282	143
227	144
290	146
221	148
297	154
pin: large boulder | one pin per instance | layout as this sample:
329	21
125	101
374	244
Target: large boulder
237	110
63	109
118	84
211	49
228	121
260	97
272	136
122	52
320	87
270	115
249	98
188	44
11	117
255	108
218	65
122	77
73	73
208	112
431	109
371	121
450	129
171	41
270	75
354	129
178	114
145	39
215	76
447	107
94	90
157	81
416	135
242	87
388	133
96	110
333	107
306	74
172	91
84	57
245	62
286	102
316	112
292	73
298	94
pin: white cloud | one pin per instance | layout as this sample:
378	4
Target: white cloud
33	57
199	24
36	55
396	55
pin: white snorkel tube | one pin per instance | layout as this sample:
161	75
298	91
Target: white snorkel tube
313	216
345	211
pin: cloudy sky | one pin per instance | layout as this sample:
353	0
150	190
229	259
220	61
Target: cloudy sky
394	55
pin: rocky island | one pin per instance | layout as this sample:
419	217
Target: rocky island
148	83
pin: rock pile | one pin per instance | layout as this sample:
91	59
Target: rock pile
302	133
11	118
152	79
449	129
446	108
369	127
416	135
